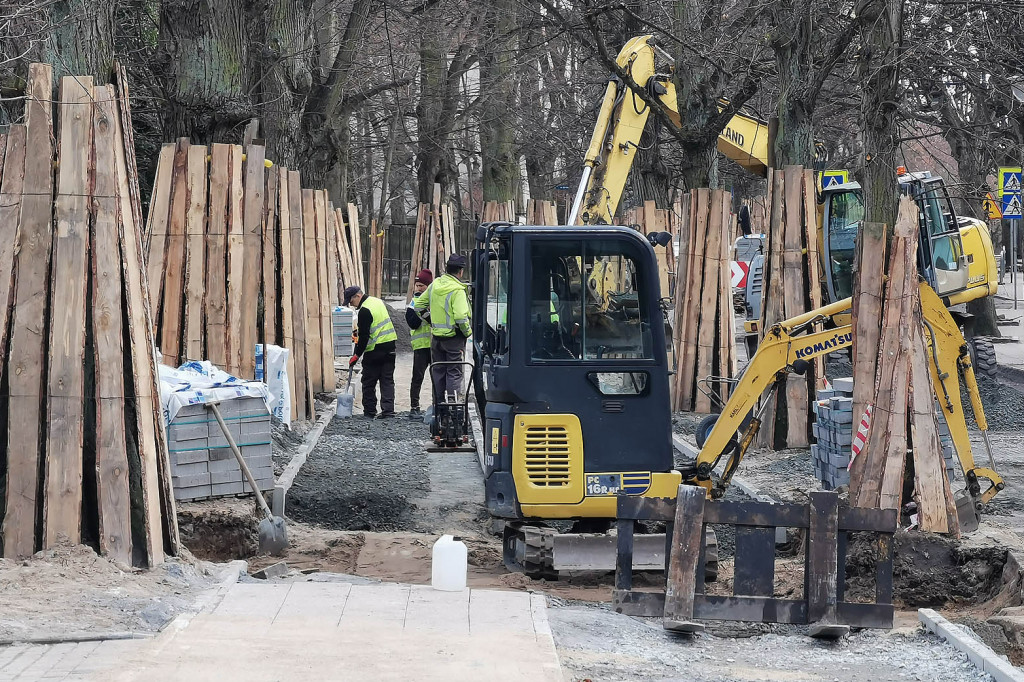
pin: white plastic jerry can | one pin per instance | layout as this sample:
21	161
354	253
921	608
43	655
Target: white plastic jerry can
448	565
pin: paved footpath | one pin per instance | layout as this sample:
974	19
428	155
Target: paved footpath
321	631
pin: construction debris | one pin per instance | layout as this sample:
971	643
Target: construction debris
704	343
792	285
903	407
87	461
241	255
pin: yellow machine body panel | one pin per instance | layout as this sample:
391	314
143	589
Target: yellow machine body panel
551	480
982	271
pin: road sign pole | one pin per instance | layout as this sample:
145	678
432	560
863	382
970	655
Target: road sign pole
1013	260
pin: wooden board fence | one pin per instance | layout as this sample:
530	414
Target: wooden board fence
91	414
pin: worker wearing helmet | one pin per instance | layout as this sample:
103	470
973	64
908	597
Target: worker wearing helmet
420	332
447	304
376	346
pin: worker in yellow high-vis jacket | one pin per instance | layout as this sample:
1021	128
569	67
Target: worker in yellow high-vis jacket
419	330
376	346
446	304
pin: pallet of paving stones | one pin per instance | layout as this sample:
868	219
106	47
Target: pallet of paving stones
202	463
342	325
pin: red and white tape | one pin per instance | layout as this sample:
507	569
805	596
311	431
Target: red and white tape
860	439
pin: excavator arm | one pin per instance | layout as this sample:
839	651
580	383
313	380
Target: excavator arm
790	345
620	123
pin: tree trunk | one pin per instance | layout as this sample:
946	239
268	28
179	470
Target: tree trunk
879	74
497	102
84	39
794	140
650	178
204	59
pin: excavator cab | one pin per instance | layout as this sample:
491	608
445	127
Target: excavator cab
571	344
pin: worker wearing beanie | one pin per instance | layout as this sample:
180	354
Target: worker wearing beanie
420	332
448	306
376	346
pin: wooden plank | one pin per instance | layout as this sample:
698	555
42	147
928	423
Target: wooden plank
195	254
869	265
681	215
795	286
62	511
333	256
124	104
772	294
156	224
735	513
252	238
303	385
344	254
936	508
285	260
269	277
171	313
686	549
822	565
159	509
699	218
216	256
11	188
708	297
755	561
112	487
624	555
814	277
356	241
314	356
724	340
235	262
416	259
324	299
433	236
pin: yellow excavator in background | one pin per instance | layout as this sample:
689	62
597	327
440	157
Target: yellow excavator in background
962	264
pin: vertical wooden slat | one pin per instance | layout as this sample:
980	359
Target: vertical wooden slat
348	268
699	215
174	270
681	215
356	240
795	288
710	281
680	585
269	278
324	299
216	263
724	340
333	255
252	229
772	292
195	252
159	511
417	251
112	494
235	262
314	358
303	384
624	555
156	223
814	278
11	188
822	563
62	517
287	323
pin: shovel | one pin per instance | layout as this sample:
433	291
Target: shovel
273	534
346	399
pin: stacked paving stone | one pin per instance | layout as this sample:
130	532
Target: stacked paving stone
202	464
834	429
342	321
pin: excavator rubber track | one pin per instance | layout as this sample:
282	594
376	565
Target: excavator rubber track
529	549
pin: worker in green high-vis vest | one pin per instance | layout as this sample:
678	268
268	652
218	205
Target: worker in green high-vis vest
447	303
420	332
376	346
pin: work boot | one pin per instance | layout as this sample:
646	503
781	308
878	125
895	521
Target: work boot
385	415
415	413
370	415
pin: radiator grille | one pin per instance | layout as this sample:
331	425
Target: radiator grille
547	456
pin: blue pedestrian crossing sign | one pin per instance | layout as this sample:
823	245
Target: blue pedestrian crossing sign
832	178
1012	205
1010	192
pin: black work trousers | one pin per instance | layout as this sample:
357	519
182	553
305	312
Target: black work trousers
420	362
447	378
378	367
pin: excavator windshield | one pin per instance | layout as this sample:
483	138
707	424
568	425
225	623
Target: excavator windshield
844	212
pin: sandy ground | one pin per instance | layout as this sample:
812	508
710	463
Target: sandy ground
70	591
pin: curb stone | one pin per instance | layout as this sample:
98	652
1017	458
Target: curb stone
298	459
979	653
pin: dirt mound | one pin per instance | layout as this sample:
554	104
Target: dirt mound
219	530
928	570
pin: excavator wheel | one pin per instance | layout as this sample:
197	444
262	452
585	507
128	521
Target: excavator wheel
704	430
710	556
983	357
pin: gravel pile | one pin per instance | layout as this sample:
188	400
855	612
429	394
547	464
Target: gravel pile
404	342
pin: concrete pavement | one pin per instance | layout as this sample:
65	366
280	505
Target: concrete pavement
322	631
